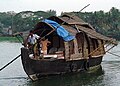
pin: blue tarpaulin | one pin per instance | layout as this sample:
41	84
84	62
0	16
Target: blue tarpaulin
60	30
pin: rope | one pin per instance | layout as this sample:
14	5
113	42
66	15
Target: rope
116	51
114	54
105	51
19	39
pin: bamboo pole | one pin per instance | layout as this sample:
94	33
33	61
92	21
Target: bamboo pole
109	49
95	50
10	62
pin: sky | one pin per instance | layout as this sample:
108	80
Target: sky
58	5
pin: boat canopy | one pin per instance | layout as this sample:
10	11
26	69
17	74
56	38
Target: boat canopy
61	31
68	26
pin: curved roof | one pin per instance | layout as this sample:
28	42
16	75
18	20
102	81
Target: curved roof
74	25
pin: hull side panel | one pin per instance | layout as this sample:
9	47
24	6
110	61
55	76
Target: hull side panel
36	68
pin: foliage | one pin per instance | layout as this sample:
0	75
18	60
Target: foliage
5	19
107	23
24	23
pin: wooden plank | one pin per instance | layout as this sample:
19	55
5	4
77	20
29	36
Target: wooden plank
67	56
75	46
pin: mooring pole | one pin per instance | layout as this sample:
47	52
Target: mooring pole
10	62
84	7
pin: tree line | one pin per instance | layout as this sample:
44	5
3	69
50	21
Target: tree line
107	23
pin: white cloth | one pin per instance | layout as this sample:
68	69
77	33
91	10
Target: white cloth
32	39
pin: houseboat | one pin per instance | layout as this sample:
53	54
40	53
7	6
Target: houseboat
74	46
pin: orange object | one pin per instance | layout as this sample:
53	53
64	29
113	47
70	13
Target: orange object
44	45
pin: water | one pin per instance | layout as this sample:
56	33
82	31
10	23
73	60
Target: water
14	75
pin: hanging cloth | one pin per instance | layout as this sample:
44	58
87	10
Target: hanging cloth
62	32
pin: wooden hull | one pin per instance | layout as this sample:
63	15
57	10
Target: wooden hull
35	69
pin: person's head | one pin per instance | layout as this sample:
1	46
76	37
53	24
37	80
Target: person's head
31	32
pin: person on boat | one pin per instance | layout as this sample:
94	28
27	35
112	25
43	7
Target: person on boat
44	43
32	41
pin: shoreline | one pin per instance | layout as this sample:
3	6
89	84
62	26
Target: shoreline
9	39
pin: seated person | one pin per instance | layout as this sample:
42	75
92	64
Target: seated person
44	43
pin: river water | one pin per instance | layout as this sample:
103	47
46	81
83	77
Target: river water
14	75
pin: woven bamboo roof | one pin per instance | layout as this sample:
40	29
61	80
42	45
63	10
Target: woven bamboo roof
85	27
74	25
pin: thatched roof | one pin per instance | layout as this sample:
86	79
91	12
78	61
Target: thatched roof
68	21
96	35
74	25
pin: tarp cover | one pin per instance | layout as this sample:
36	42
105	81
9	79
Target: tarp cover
62	32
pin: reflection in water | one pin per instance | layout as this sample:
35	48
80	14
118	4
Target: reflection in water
78	79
